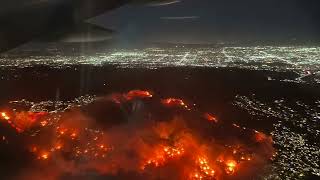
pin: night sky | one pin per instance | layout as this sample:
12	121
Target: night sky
210	21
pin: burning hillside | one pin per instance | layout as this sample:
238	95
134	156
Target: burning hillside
167	139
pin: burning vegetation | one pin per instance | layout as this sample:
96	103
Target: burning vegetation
73	142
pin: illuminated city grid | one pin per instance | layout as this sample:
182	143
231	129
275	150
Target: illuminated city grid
268	58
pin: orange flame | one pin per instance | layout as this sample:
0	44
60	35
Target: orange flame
23	120
231	166
44	155
138	94
5	116
162	155
172	102
260	137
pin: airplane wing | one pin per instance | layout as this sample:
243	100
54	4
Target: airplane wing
25	20
28	21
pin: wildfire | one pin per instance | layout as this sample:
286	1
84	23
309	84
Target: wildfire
151	147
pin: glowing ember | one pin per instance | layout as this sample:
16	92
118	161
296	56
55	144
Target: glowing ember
205	170
44	156
259	136
236	125
5	116
73	135
58	146
231	166
171	102
43	123
210	117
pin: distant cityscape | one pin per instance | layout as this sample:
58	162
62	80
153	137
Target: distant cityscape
256	58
